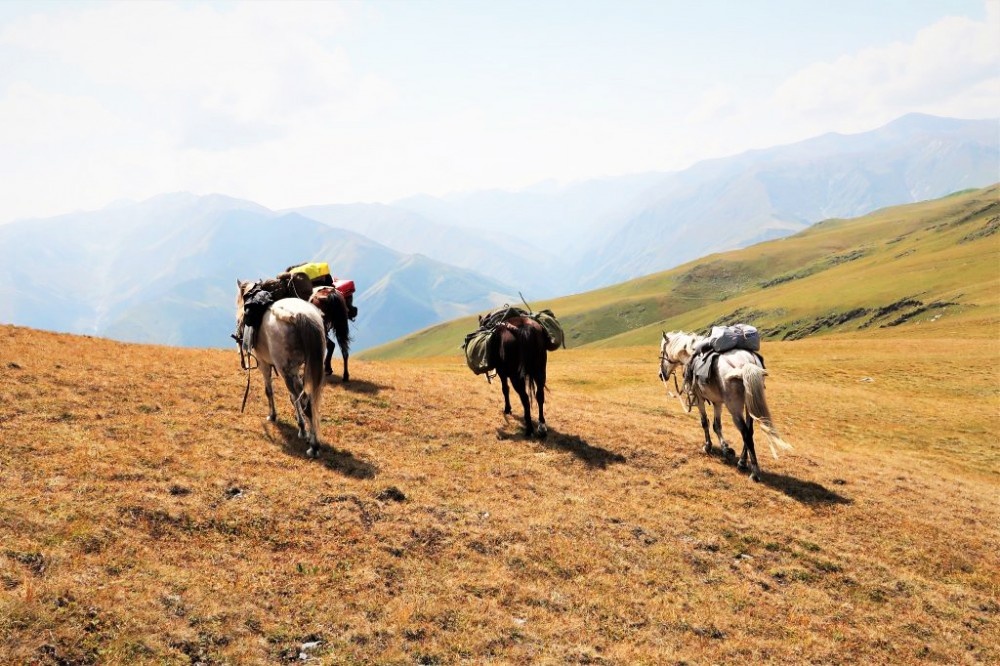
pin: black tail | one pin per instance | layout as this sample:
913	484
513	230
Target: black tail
341	325
531	343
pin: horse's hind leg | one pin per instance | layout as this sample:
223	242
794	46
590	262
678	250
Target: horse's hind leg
717	427
745	426
522	393
345	354
300	401
330	345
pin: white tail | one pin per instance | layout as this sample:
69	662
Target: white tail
753	383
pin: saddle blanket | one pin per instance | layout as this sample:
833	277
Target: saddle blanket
703	366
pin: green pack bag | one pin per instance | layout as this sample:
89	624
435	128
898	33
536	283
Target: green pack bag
477	351
552	326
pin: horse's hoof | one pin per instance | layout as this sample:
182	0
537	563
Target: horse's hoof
312	452
741	464
755	477
543	432
347	378
707	448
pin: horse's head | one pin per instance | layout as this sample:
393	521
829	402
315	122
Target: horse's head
242	287
676	349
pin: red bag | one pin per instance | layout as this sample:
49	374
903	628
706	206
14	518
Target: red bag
345	287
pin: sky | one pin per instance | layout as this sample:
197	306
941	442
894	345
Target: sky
292	104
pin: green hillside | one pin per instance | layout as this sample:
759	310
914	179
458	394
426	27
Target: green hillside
926	268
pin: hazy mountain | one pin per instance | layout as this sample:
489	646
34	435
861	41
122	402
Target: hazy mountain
505	258
606	231
734	202
164	270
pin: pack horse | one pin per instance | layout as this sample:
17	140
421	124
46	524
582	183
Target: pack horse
515	343
286	335
734	379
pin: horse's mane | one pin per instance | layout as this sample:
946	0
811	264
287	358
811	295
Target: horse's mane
680	345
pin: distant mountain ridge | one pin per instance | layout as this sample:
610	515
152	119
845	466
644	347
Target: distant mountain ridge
929	267
164	270
161	270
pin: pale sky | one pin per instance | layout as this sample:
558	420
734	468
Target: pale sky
294	104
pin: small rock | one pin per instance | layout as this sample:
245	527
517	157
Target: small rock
176	490
13	366
306	648
234	492
392	493
866	380
520	621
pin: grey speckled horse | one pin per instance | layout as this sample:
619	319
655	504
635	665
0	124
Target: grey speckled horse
738	383
291	336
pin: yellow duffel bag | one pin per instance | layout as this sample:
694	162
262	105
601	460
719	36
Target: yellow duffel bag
314	270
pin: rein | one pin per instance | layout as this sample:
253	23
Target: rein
673	373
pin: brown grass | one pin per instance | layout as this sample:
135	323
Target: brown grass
144	520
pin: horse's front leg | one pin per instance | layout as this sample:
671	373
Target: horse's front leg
704	425
717	427
265	370
506	394
543	430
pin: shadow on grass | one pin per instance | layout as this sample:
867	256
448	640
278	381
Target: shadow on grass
593	456
335	460
807	492
355	385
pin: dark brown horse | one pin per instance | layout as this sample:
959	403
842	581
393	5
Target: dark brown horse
336	316
518	348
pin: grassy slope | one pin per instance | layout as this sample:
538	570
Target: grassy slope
144	520
914	251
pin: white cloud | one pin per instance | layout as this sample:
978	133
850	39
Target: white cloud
714	103
952	66
213	78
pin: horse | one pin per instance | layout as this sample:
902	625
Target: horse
290	335
738	383
336	316
518	349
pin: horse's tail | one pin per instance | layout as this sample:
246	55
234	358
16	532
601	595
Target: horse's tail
532	342
341	325
753	385
313	338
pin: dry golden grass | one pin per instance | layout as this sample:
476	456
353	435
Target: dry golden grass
144	520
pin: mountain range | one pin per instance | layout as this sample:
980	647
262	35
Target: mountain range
163	270
928	268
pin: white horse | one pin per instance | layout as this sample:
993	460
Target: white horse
291	335
738	382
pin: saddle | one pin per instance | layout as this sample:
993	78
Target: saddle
703	367
259	298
